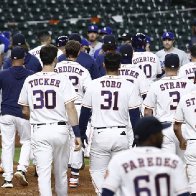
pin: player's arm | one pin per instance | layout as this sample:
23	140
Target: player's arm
148	111
26	112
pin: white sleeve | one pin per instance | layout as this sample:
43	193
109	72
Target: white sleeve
143	84
134	99
23	98
179	115
112	177
180	181
159	70
151	98
185	59
87	99
86	81
181	72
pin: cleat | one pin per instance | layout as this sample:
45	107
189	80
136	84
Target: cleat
7	184
20	175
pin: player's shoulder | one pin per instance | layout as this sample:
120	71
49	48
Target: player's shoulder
35	49
188	65
160	52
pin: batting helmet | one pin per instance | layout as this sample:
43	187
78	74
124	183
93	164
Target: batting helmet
139	41
61	41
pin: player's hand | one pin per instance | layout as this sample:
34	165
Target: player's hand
183	144
78	144
84	138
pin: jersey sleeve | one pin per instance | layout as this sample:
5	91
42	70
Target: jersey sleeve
87	99
181	72
23	97
134	100
143	84
159	70
185	59
150	100
86	81
113	176
179	115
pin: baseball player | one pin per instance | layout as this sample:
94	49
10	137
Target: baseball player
185	113
111	99
188	70
163	97
146	61
80	78
11	82
146	170
60	44
168	39
47	98
44	38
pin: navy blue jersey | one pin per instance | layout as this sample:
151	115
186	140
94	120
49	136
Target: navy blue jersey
11	83
99	62
86	61
31	63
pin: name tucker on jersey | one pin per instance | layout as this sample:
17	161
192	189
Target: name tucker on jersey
128	72
69	69
44	81
172	85
149	162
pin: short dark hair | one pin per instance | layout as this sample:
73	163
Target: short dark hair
108	47
43	36
193	51
112	61
72	48
48	53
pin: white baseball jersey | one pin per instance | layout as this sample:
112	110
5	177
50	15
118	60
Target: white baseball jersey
164	96
146	171
36	52
79	76
149	63
186	112
46	94
188	71
135	75
110	98
181	54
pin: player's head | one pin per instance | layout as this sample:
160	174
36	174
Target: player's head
193	52
48	55
44	37
148	131
17	56
112	61
72	49
139	42
168	40
109	43
105	31
61	41
85	45
126	52
172	63
126	38
75	37
92	32
18	39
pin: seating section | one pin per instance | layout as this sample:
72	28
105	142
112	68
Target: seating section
152	17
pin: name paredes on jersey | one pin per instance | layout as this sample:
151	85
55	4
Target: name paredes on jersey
172	85
149	162
144	59
110	83
44	81
69	69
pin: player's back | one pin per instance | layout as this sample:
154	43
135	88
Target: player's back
79	76
110	98
49	93
188	71
167	93
146	171
149	63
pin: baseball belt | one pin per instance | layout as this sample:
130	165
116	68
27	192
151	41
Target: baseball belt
58	123
120	127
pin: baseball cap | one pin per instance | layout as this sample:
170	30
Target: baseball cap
106	30
76	37
126	50
18	39
17	53
148	126
93	28
61	40
168	35
109	39
172	61
125	37
84	42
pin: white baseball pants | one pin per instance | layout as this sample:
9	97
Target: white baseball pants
9	125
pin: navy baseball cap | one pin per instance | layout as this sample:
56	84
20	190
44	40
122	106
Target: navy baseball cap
17	53
126	50
18	39
109	39
148	126
168	35
106	30
61	41
76	37
172	61
126	37
84	42
93	28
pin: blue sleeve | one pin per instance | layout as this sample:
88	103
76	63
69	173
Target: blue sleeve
4	41
134	115
62	57
7	63
107	192
85	114
94	71
187	194
99	62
